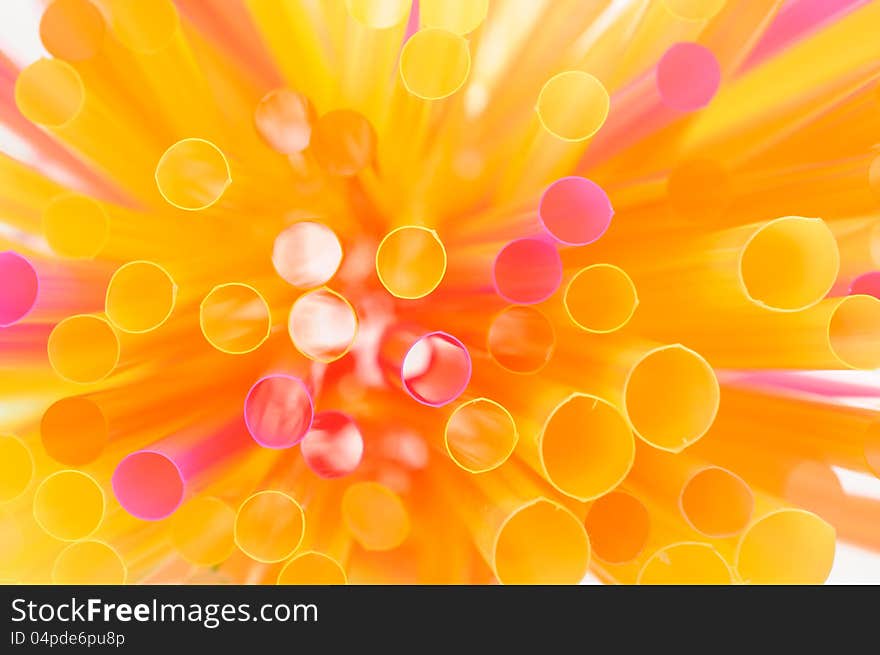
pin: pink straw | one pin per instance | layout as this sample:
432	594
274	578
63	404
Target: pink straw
527	271
334	446
278	411
575	211
796	20
867	284
19	287
151	484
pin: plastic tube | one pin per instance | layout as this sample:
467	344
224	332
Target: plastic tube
20	287
89	563
600	298
16	467
202	530
74	431
140	297
269	526
334	445
411	261
480	435
322	325
69	505
376	517
521	339
307	254
83	349
278	411
618	524
235	318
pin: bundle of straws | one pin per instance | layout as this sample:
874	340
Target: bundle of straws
444	291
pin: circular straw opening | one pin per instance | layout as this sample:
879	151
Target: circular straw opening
375	516
312	568
50	93
12	545
19	289
145	26
575	211
542	542
411	262
307	254
480	435
573	105
419	71
686	563
83	349
527	271
89	563
619	526
193	174
872	448
600	298
334	446
671	397
586	447
235	318
74	431
322	325
790	263
69	505
278	411
436	369
72	29
269	526
343	142
284	119
788	546
378	14
201	531
140	297
148	485
16	467
716	502
688	76
76	226
852	332
459	16
521	339
694	9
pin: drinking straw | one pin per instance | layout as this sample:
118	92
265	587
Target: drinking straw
713	500
235	318
866	284
411	261
527	271
51	94
521	339
89	562
343	142
480	435
16	467
669	393
334	445
74	431
83	349
269	526
684	80
202	530
600	298
524	536
575	211
284	119
153	34
731	115
795	21
312	568
292	32
76	226
322	325
434	368
229	24
458	16
737	30
570	109
193	174
373	34
20	287
307	254
375	516
786	546
69	505
151	483
140	297
619	525
278	411
686	563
